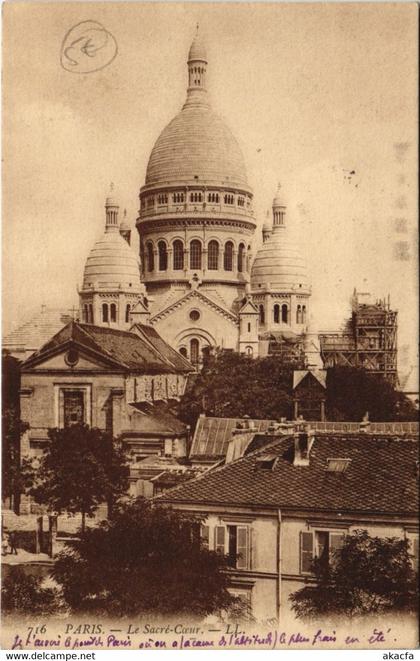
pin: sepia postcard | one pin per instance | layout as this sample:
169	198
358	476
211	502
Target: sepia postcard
210	326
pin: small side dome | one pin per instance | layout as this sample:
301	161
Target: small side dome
280	264
112	265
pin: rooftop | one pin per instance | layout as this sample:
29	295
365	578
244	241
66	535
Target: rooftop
381	477
126	350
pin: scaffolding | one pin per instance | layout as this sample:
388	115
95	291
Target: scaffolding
369	340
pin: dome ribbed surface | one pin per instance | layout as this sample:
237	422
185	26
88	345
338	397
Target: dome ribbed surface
196	144
112	263
280	264
197	50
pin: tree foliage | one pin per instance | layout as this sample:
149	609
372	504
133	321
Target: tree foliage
145	559
23	594
12	430
352	392
80	468
233	385
366	575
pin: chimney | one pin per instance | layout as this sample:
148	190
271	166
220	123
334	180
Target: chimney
365	424
303	442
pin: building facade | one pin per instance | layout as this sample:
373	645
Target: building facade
123	382
293	496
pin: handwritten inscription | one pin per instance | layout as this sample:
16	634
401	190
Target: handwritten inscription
87	47
96	637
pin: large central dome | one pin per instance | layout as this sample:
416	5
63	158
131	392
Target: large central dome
196	145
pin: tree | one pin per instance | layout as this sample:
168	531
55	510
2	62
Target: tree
233	385
352	392
146	559
12	430
366	575
80	469
23	594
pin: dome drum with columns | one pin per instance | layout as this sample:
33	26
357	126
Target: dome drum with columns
202	288
196	214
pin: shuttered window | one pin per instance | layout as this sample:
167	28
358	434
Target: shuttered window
336	542
242	548
219	539
306	552
205	537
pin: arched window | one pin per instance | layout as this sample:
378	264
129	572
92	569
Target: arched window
163	256
150	257
303	314
276	311
90	318
298	315
241	258
249	351
194	351
183	352
113	312
85	314
284	314
127	313
195	254
105	316
178	248
262	314
228	257
213	256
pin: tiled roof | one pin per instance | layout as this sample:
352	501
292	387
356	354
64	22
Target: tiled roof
381	477
155	419
32	334
128	350
169	354
212	435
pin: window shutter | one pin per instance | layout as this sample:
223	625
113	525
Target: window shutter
205	537
242	547
306	552
415	553
336	541
219	539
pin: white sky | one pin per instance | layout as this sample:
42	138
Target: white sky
312	92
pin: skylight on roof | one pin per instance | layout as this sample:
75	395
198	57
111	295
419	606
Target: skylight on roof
266	461
337	464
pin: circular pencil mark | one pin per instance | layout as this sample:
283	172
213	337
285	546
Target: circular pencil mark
87	47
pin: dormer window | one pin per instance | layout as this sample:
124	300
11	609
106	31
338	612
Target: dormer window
337	465
266	461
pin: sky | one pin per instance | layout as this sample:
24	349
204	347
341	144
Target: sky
321	97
